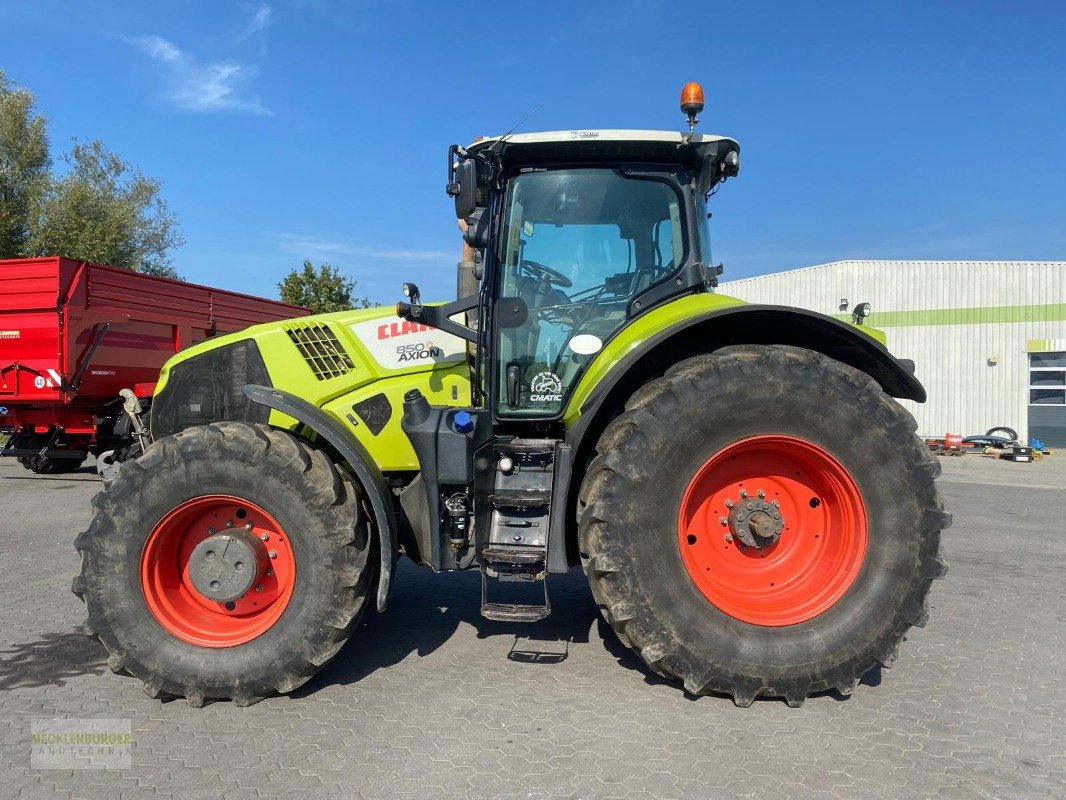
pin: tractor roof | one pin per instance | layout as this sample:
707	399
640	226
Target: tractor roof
606	145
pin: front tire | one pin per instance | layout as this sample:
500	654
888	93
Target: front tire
815	589
251	487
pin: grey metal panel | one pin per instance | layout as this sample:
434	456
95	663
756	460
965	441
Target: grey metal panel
976	375
1048	424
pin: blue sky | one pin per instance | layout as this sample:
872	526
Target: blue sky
285	130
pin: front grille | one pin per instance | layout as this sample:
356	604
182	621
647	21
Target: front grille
321	350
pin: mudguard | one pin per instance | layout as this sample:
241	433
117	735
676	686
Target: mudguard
357	457
628	362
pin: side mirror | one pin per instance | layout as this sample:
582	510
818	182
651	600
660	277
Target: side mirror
464	188
469	182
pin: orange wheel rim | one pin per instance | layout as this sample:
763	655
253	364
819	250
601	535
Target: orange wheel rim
185	611
773	530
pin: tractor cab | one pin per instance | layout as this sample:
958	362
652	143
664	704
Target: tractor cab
576	234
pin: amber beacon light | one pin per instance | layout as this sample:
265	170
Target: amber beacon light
691	105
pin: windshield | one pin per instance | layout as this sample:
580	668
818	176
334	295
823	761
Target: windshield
579	245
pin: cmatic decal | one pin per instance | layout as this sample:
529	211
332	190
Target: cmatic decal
402	345
10	334
546	387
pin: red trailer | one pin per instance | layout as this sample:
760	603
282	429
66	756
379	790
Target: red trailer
74	334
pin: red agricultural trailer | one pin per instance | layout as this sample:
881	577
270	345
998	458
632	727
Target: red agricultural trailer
73	335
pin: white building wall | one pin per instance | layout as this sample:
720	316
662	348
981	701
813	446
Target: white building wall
966	394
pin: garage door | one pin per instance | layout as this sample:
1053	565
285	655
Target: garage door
1047	398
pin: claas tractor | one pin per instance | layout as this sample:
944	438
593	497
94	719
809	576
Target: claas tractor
750	504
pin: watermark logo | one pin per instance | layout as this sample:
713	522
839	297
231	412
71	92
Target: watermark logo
80	743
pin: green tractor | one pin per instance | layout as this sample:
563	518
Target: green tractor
753	510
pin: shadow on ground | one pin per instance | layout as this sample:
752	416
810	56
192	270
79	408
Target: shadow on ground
51	660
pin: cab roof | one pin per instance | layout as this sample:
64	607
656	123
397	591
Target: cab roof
605	145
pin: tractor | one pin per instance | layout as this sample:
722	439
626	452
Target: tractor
752	508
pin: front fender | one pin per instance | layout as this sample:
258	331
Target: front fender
357	457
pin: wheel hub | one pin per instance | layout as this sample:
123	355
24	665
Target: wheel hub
223	567
217	571
772	530
755	522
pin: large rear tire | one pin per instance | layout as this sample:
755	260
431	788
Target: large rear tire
267	494
816	588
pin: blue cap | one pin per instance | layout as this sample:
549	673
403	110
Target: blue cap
463	422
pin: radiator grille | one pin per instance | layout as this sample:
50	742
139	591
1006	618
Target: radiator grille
321	350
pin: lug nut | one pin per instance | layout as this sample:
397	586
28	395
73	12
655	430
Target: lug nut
723	520
273	553
248	526
229	523
264	536
761	493
729	537
270	573
259	587
776	504
743	492
728	503
210	531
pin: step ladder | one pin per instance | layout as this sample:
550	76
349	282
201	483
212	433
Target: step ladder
517	550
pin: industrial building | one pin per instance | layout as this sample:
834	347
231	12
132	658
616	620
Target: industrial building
988	338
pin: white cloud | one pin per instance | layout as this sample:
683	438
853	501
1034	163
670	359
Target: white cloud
261	20
315	247
208	86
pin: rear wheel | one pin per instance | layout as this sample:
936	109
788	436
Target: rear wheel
792	538
228	562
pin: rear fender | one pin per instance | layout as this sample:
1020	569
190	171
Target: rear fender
617	372
356	456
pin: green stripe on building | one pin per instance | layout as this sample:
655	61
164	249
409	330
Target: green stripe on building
1045	345
1053	312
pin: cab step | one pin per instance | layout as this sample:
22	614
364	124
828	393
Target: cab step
514	612
513	564
520	499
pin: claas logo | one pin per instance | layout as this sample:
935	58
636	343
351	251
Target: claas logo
392	330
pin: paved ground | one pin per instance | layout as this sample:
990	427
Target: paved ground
431	701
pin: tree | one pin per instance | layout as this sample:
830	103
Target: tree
106	210
24	163
326	289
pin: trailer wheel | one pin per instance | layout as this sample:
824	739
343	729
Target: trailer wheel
228	562
43	465
762	521
25	461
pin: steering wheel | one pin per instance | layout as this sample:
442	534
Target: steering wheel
549	274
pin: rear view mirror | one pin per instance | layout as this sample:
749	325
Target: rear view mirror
466	188
470	183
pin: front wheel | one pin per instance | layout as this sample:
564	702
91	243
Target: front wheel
762	521
228	562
